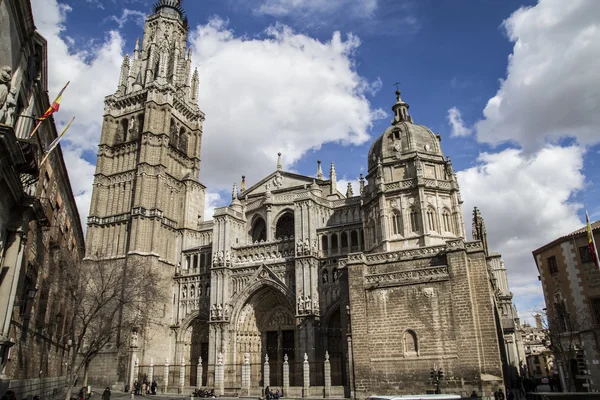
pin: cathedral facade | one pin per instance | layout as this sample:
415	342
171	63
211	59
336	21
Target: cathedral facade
294	284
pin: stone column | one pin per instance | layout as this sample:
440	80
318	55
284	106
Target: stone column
327	369
136	369
182	375
246	375
220	375
306	377
266	373
199	372
286	376
166	376
151	371
132	377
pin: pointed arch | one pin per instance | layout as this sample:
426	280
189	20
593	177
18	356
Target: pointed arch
431	219
447	221
284	227
174	135
396	220
414	218
183	140
256	288
258	229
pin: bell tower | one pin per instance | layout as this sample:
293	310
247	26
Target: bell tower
146	198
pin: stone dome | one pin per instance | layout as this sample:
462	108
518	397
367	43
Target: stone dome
404	137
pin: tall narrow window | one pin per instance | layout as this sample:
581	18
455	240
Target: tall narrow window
431	219
344	239
334	241
411	346
446	220
396	223
414	220
324	243
354	238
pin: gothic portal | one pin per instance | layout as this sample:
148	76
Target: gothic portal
294	284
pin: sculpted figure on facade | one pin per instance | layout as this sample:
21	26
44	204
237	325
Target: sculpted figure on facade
5	78
301	305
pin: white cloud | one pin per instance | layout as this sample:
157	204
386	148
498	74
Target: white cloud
138	17
213	200
93	74
457	124
283	92
281	8
525	202
552	86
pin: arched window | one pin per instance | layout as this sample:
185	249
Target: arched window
259	230
285	226
414	220
195	262
411	346
431	219
344	239
354	238
209	260
396	223
334	241
207	291
202	261
140	125
324	243
174	138
121	134
183	141
446	220
188	261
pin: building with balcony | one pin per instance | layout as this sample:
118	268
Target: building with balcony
571	284
40	230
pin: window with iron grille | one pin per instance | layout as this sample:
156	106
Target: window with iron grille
552	267
585	254
595	306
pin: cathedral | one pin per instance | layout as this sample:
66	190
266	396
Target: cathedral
293	285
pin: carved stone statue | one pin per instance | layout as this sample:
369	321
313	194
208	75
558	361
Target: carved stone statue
306	246
316	305
299	246
419	166
220	358
307	303
325	276
246	358
305	357
285	358
326	356
213	312
134	339
227	257
301	304
7	114
266	358
219	311
5	78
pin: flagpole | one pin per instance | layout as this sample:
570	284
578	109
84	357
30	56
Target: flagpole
593	239
56	141
50	110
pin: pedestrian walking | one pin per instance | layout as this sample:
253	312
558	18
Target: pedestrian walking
106	394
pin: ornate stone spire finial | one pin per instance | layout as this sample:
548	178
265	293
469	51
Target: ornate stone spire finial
137	45
279	167
243	188
124	75
349	192
319	170
362	184
234	192
195	84
138	84
479	232
333	178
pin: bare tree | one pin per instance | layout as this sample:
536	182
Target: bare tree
106	297
565	331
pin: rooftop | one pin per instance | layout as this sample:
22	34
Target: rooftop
578	232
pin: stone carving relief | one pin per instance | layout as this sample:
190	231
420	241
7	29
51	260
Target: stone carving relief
7	96
278	180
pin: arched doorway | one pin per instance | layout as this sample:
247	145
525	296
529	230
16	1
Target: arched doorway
266	325
335	346
285	226
199	335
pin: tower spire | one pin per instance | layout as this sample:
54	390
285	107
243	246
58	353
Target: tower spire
479	232
333	177
319	170
122	89
279	166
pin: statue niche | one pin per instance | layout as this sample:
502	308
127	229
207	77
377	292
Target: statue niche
259	230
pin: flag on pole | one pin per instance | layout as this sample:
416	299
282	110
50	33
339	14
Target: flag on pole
55	142
54	107
591	241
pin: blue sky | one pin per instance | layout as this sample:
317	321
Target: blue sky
512	86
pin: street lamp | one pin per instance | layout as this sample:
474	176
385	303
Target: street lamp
436	377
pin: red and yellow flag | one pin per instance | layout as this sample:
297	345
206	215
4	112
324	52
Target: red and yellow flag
591	241
54	107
